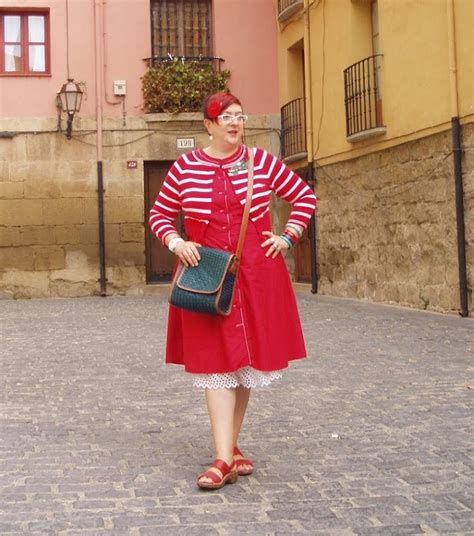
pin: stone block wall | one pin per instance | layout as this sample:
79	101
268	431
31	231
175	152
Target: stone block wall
48	200
387	224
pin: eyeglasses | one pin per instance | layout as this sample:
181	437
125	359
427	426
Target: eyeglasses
227	118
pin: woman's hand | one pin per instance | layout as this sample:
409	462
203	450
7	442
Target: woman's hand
274	243
188	253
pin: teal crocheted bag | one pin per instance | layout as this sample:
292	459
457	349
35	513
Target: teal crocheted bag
207	287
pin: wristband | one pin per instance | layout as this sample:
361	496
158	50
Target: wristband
174	242
296	229
288	240
291	235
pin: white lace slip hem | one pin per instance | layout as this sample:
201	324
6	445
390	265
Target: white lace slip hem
246	377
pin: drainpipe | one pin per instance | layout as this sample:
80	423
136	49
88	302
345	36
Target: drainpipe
99	114
103	16
457	161
309	142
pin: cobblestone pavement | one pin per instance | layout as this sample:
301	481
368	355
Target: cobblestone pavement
370	436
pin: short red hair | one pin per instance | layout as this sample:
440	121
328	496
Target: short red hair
216	103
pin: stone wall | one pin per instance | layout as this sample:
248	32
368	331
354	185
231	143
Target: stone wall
48	200
387	224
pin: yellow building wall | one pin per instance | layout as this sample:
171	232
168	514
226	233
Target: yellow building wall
415	75
386	219
464	19
290	69
415	70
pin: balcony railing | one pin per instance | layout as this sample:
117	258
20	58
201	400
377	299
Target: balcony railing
362	97
215	61
293	128
286	8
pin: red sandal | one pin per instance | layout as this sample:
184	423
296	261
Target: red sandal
239	463
229	475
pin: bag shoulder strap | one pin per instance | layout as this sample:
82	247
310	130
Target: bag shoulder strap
248	201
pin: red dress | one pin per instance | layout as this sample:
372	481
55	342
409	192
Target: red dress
263	330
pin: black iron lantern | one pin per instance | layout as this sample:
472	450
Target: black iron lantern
70	96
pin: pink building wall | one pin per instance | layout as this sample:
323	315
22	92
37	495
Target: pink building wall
245	35
127	40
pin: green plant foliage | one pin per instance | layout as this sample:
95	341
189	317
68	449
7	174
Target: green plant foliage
181	86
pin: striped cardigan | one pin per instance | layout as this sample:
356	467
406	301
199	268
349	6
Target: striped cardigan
188	187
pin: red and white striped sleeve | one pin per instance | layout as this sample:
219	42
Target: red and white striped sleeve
289	186
167	205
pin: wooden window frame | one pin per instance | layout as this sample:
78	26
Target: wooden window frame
24	13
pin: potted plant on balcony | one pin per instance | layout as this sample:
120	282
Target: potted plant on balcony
177	85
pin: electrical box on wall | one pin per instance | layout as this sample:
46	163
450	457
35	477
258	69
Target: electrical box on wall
120	87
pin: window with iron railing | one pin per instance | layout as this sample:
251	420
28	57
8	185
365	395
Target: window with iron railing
289	4
362	97
181	28
286	8
293	128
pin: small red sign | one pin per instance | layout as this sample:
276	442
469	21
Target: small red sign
132	164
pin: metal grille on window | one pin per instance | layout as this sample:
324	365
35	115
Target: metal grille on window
165	27
181	27
197	28
362	96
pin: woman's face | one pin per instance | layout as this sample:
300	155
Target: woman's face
229	126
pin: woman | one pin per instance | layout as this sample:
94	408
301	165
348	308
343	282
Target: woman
249	348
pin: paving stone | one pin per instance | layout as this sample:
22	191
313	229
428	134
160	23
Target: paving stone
10	527
398	530
459	520
93	505
370	435
256	528
428	521
192	500
301	512
325	524
437	503
84	520
88	532
160	530
127	521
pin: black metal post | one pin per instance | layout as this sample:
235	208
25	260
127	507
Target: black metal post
70	118
461	237
312	235
100	204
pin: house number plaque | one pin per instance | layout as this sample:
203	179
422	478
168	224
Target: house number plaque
185	143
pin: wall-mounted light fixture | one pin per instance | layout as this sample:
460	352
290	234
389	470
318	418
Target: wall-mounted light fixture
70	96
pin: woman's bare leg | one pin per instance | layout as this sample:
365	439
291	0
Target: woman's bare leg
242	400
221	404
